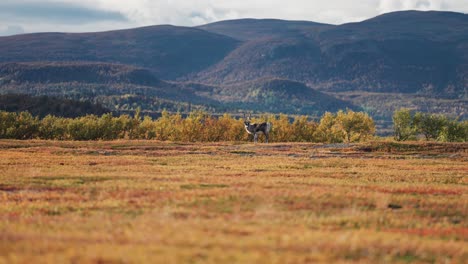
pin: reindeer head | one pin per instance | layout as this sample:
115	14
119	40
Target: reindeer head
247	120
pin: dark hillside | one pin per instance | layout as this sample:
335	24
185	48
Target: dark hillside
426	25
168	51
80	72
117	86
248	29
45	105
289	58
409	52
279	95
262	64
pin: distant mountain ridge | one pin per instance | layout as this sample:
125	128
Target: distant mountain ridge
168	51
258	64
405	52
249	29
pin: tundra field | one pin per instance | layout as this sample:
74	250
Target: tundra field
164	202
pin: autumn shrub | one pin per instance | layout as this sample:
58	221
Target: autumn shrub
198	126
18	125
354	126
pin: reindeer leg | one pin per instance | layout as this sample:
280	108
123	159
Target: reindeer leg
266	137
255	138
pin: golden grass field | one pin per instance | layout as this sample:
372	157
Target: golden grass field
163	202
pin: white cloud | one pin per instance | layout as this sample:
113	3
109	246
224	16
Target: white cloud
395	5
181	12
11	30
196	12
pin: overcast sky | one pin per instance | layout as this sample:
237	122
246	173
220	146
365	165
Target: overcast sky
25	16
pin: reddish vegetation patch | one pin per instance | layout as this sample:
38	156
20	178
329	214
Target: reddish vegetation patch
174	201
412	190
7	188
457	231
11	216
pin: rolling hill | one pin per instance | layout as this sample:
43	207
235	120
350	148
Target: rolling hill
122	88
249	29
46	105
168	51
117	86
280	95
407	52
252	64
78	72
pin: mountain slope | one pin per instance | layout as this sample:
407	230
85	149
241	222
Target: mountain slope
287	58
116	86
168	51
262	64
279	95
428	25
409	52
269	49
122	87
77	72
248	29
45	105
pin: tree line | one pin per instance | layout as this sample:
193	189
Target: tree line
198	126
410	125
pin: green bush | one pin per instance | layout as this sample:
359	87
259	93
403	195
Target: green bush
403	125
408	126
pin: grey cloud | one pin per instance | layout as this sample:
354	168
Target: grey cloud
98	15
56	12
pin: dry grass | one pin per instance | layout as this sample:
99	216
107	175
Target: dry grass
149	201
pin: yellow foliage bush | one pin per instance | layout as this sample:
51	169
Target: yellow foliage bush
197	126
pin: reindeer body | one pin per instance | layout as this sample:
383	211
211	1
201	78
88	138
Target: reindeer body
255	129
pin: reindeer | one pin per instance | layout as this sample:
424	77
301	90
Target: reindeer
255	129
